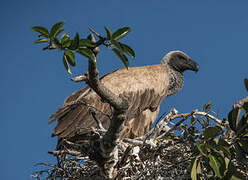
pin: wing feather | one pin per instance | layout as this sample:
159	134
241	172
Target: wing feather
142	86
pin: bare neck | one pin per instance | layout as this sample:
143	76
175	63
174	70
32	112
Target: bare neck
175	82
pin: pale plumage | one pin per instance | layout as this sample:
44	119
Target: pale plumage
144	87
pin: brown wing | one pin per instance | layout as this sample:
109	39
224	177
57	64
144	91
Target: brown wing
144	87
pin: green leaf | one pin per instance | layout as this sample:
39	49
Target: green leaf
86	43
41	41
122	57
120	33
64	37
43	31
211	132
193	170
196	169
70	56
202	148
65	40
58	32
232	118
56	29
227	161
66	64
210	177
117	44
217	163
246	84
56	42
127	50
207	106
75	43
245	135
108	32
87	53
223	146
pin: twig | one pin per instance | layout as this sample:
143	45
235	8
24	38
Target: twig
172	129
50	165
240	103
105	152
93	31
124	157
160	125
185	116
133	141
99	123
209	116
60	152
238	106
101	39
50	46
79	78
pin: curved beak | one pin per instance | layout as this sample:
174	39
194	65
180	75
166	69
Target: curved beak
193	65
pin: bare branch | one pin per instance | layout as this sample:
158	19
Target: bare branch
79	78
93	31
209	116
162	125
104	150
59	152
50	47
115	101
240	103
99	123
185	116
134	142
173	115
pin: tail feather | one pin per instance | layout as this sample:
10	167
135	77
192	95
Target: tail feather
59	113
67	120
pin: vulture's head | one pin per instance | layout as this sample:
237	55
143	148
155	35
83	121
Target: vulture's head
179	61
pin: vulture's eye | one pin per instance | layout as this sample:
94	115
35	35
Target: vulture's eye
181	57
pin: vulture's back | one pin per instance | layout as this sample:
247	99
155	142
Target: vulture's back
144	87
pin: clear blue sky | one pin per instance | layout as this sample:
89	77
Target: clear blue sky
34	83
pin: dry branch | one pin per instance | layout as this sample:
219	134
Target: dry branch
79	78
240	103
136	158
105	152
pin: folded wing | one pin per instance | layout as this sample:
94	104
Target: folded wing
144	87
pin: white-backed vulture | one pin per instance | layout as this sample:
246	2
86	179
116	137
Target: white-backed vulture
144	87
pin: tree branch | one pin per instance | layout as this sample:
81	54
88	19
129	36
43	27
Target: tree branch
240	103
79	78
105	151
119	103
173	115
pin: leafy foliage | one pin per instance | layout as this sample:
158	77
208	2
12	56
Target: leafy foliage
75	43
83	46
43	31
87	53
41	41
56	29
70	56
215	150
121	56
120	33
210	152
224	147
109	34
